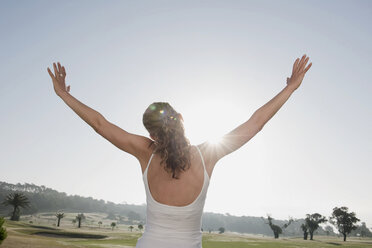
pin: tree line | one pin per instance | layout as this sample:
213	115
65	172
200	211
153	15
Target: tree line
43	199
15	197
341	218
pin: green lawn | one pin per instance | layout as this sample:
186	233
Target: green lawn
22	234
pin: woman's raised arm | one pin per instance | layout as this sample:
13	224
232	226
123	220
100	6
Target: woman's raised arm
134	144
243	133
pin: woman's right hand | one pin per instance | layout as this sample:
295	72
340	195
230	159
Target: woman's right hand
298	72
59	79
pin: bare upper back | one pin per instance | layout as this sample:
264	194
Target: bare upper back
176	192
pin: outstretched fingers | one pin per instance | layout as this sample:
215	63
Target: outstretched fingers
62	71
308	67
55	69
59	71
300	64
304	64
295	64
50	73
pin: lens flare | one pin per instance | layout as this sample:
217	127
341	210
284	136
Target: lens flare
215	140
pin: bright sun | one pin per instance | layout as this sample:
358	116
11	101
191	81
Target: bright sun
211	128
215	140
208	119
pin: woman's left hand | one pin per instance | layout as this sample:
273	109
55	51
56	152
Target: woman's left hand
298	72
58	79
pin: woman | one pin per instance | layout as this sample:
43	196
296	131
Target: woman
176	174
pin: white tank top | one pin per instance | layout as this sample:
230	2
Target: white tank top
172	226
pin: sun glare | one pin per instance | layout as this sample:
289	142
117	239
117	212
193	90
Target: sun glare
210	130
210	121
215	140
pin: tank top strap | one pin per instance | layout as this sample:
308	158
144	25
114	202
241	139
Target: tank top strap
202	159
148	164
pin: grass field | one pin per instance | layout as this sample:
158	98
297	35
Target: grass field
43	234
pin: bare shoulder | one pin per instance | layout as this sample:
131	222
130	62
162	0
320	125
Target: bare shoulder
209	156
145	150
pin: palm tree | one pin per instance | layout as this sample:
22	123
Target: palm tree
140	227
99	224
17	200
131	228
59	217
113	224
80	218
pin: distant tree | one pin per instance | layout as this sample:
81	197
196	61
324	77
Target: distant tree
132	215
131	228
365	232
140	227
313	221
328	230
80	218
113	225
304	228
59	216
74	222
288	223
17	200
99	224
344	220
221	230
362	231
277	230
210	230
3	233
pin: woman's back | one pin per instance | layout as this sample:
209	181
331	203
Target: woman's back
174	206
176	192
180	218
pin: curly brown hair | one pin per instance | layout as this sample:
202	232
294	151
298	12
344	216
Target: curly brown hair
165	126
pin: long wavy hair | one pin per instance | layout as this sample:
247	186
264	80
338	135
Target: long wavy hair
166	128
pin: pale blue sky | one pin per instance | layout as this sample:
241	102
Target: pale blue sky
216	62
